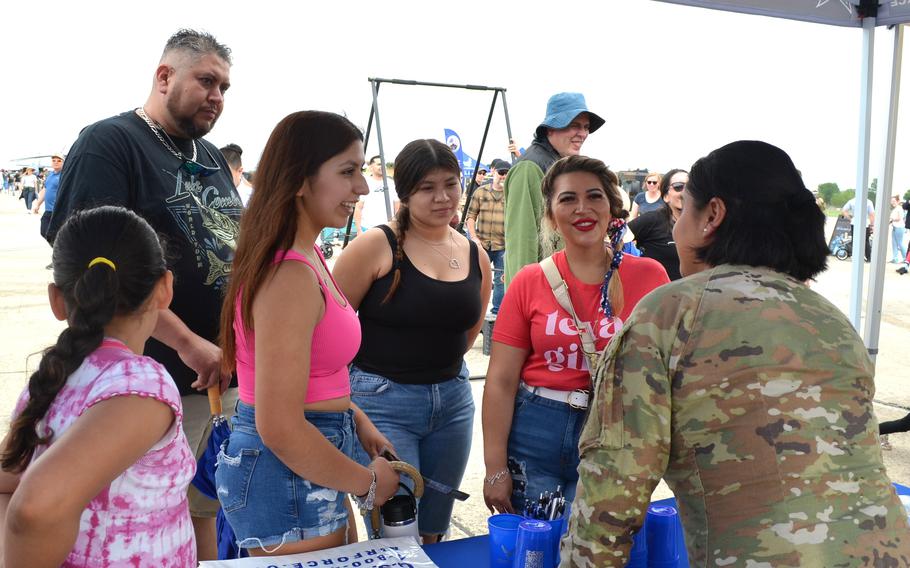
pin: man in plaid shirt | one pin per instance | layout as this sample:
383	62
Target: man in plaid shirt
486	225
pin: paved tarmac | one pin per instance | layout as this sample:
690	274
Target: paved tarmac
27	326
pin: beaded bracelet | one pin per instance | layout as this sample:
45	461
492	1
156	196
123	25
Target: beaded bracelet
365	503
496	477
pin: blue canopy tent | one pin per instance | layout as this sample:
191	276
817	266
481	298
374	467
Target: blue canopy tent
865	14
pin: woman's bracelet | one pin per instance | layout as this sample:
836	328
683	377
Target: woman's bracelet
365	503
496	477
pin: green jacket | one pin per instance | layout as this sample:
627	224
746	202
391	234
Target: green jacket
524	206
751	395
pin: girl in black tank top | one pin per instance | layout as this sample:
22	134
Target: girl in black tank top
421	290
429	318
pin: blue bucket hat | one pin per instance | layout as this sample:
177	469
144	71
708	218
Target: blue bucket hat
563	107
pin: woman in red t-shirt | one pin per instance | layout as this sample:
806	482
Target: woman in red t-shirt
537	384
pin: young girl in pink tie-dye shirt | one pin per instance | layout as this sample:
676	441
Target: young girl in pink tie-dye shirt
96	461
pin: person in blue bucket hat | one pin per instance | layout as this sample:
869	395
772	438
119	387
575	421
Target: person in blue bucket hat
562	133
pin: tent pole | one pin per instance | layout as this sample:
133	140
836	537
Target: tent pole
872	323
862	172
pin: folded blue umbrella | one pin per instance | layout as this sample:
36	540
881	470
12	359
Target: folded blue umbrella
204	480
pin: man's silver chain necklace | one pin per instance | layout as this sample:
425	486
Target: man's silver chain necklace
157	130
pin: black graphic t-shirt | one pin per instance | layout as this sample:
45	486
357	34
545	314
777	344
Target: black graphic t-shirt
120	161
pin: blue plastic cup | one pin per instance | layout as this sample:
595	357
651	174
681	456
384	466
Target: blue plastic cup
662	527
503	534
560	527
639	555
534	547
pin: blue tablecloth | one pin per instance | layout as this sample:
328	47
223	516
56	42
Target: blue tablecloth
475	552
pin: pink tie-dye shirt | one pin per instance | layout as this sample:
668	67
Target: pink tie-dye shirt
142	518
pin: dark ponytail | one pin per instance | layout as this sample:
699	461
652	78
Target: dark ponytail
415	161
403	220
93	296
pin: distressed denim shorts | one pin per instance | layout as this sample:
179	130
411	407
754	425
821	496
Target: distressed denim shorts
265	502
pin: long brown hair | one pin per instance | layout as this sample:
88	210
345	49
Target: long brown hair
415	161
297	148
610	184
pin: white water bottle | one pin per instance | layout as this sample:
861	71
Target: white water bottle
399	517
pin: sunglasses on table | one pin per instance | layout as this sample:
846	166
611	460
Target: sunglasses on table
678	186
197	169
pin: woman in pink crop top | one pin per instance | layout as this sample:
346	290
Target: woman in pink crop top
292	334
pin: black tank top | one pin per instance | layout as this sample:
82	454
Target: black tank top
420	335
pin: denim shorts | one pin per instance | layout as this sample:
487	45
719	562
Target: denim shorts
265	502
543	447
431	428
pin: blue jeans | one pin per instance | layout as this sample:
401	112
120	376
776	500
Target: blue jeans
29	196
898	250
431	428
265	502
543	447
499	287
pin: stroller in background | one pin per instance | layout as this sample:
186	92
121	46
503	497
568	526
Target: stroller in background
843	248
841	242
327	239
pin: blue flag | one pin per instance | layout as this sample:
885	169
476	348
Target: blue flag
468	163
453	141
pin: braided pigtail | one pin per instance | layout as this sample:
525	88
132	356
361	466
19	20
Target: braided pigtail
93	308
95	289
403	220
612	297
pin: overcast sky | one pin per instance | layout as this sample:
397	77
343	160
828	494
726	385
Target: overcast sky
672	82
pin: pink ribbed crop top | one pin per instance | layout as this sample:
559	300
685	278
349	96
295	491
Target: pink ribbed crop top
336	340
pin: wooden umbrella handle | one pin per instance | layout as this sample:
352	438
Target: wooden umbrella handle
411	471
214	392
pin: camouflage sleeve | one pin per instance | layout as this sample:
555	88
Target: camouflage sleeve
625	443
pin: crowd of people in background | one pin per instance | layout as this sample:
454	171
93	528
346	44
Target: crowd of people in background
670	335
26	183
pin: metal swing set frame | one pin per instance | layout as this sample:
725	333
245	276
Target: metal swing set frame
375	82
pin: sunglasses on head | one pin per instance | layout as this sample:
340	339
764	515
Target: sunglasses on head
502	172
678	186
651	182
196	169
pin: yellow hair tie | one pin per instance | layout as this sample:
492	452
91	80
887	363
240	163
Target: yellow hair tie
102	260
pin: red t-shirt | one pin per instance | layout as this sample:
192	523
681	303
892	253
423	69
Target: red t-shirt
531	318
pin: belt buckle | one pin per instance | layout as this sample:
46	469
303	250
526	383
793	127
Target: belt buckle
571	404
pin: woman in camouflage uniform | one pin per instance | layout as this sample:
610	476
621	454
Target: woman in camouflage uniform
744	389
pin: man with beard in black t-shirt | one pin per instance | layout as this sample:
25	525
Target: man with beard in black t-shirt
153	160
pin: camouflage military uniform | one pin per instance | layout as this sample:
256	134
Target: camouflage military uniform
752	396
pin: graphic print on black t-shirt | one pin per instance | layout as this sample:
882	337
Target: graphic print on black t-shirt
212	234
